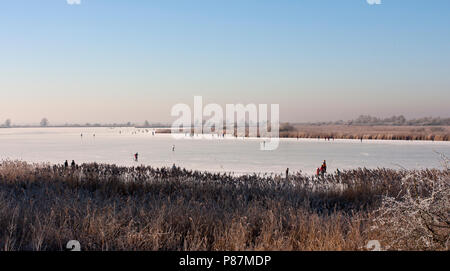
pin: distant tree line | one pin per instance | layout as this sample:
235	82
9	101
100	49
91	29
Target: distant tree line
45	123
7	123
284	127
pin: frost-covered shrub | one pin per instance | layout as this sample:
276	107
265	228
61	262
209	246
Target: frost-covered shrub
420	218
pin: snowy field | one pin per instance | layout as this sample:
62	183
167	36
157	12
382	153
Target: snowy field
117	145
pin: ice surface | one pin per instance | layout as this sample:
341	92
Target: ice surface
117	145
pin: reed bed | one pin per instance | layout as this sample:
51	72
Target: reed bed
106	207
367	132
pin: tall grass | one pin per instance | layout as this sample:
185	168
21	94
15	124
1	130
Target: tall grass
106	207
367	132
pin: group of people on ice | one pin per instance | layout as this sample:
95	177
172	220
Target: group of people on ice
322	170
73	165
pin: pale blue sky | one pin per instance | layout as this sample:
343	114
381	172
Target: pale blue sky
117	60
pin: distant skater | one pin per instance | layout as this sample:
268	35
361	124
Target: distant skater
66	164
287	173
73	165
136	157
318	172
173	147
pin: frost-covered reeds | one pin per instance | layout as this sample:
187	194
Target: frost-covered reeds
106	207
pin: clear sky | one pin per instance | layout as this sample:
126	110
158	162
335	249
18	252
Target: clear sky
132	60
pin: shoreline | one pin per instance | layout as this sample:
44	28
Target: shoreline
230	174
367	133
308	139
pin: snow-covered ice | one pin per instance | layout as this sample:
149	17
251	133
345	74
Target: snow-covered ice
117	145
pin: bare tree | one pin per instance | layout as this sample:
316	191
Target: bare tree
44	122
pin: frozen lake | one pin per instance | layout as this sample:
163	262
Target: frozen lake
117	145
